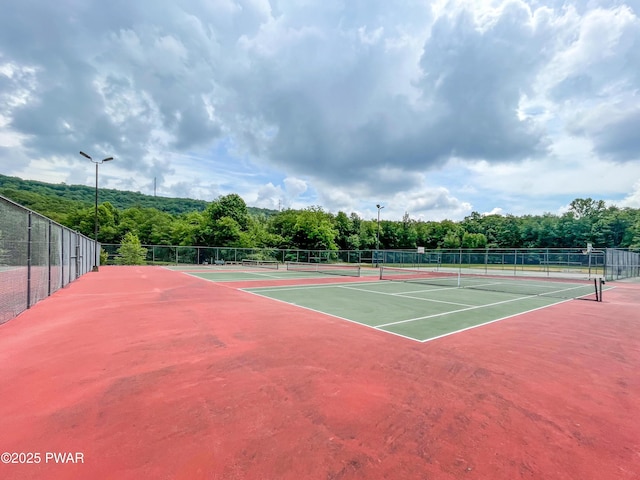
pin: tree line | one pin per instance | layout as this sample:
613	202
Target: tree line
229	222
56	200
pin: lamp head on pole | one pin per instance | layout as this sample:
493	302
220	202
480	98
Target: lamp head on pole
96	247
108	159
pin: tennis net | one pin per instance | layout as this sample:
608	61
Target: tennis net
347	270
587	289
272	264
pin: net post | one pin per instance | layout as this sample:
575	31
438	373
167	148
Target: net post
600	283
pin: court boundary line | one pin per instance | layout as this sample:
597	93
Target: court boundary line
305	286
535	283
225	284
286	277
404	295
427	317
477	307
269	277
381	327
491	321
332	315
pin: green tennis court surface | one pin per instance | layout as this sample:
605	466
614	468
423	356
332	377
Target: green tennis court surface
236	273
412	310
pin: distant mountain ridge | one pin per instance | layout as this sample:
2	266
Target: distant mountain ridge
57	199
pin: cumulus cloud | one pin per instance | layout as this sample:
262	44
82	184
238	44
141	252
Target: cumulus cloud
494	211
632	200
506	103
269	196
295	186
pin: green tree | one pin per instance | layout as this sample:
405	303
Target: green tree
610	229
226	233
429	234
367	234
473	240
314	230
451	239
390	235
83	220
283	225
501	231
472	223
257	236
586	207
225	219
408	233
573	231
308	229
353	241
540	231
634	235
344	226
231	206
131	251
189	229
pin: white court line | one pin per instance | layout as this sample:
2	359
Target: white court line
490	321
332	315
403	295
456	311
378	327
304	286
235	279
350	287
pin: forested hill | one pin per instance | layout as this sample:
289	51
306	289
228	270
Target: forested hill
56	200
228	222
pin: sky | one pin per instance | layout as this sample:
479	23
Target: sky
435	109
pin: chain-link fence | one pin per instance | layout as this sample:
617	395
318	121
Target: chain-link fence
608	263
37	257
621	264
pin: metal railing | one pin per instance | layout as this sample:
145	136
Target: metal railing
608	263
621	263
37	257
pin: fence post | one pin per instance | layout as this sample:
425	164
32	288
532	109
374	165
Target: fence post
486	260
78	259
49	262
29	260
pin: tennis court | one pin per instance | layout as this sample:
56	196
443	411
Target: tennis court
217	372
417	312
420	305
276	271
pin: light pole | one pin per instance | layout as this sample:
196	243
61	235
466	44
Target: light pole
95	226
380	207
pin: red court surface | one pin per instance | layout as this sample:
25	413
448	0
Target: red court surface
153	374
